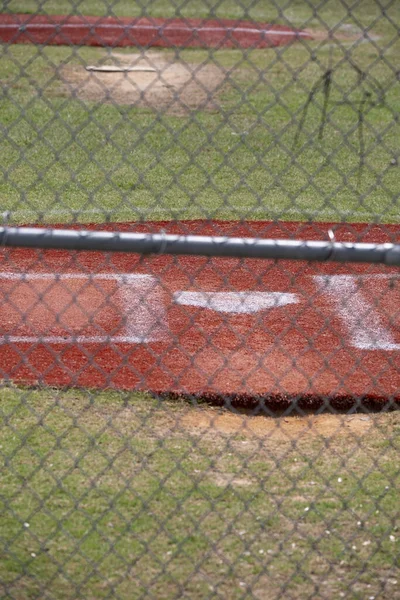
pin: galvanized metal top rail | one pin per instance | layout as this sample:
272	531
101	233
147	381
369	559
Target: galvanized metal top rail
199	245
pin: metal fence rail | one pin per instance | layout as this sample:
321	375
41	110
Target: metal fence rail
177	419
196	245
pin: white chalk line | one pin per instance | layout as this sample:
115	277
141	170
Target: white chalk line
141	297
79	339
168	28
144	305
145	310
364	325
120	277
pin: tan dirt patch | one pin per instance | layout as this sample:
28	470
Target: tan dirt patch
344	33
226	479
275	428
176	87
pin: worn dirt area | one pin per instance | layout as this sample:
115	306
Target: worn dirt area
275	428
156	81
345	33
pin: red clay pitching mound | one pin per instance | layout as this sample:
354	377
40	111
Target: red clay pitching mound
242	329
167	33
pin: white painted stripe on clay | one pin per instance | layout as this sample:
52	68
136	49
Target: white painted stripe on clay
143	309
122	277
363	323
167	28
235	302
79	339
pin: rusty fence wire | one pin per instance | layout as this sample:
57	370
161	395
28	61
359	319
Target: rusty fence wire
199	299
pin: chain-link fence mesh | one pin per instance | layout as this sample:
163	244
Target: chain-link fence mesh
187	420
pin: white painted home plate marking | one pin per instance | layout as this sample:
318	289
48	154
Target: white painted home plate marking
236	302
81	308
359	316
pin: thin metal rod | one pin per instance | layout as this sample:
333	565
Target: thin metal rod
198	245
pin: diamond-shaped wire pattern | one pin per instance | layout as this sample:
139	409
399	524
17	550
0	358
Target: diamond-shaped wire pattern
195	426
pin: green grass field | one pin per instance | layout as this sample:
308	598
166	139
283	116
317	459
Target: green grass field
139	498
66	158
295	11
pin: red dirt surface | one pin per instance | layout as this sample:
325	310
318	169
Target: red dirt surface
167	33
94	322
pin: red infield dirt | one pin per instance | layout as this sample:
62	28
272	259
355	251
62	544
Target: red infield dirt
167	33
243	329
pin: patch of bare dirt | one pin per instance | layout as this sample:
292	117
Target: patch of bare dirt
225	479
277	429
344	33
156	81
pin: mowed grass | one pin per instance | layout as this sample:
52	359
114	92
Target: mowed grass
312	11
66	159
130	497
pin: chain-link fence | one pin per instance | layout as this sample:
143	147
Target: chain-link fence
200	325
